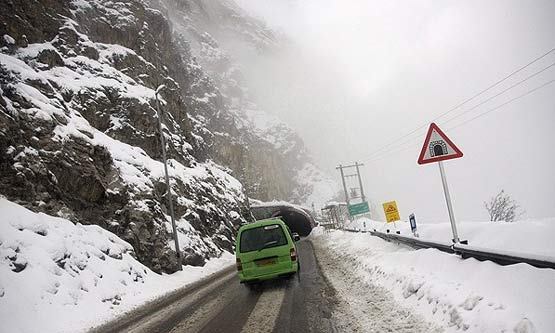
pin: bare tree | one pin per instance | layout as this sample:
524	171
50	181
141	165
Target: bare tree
503	208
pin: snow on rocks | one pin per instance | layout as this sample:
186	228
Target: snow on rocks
8	39
68	277
459	295
318	187
87	110
271	141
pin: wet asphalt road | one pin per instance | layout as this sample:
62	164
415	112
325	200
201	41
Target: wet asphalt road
302	303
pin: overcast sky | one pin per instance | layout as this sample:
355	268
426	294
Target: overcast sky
359	74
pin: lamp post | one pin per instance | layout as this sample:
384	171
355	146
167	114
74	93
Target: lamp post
168	193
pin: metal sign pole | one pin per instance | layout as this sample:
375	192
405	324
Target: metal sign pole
448	200
169	193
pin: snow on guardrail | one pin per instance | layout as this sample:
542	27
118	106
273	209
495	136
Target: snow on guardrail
467	251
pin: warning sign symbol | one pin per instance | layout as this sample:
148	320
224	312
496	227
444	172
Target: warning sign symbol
391	211
438	147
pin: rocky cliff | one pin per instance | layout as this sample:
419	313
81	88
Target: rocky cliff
266	155
78	121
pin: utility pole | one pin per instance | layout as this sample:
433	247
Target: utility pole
169	189
355	208
340	167
343	176
360	182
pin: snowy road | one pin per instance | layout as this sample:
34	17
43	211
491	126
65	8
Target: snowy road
308	304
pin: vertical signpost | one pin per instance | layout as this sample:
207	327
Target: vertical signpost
437	148
391	213
412	220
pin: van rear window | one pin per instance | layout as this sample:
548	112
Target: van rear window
262	237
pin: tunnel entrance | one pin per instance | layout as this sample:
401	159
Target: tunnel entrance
438	148
297	221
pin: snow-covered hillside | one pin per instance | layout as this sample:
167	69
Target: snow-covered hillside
79	127
57	276
221	35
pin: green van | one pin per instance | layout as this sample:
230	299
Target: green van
265	250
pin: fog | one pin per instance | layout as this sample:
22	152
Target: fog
355	76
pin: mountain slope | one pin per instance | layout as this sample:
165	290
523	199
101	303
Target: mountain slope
79	127
79	131
265	153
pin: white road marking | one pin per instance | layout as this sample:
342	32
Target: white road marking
265	313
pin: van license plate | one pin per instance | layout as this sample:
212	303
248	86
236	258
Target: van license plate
266	262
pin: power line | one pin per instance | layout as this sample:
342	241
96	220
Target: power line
461	104
382	156
500	93
502	105
483	102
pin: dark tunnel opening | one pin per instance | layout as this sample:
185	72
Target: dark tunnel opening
296	221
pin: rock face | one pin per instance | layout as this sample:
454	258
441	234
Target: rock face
266	155
79	128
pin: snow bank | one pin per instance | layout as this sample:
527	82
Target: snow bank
533	238
460	295
50	266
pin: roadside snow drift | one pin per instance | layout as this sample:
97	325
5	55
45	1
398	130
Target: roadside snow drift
459	295
56	276
528	238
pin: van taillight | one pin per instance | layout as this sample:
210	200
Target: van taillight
239	266
293	254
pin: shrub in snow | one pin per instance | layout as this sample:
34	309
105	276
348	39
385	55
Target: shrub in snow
503	208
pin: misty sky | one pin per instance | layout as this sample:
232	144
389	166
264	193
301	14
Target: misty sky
359	74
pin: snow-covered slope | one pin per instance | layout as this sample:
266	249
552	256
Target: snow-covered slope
57	276
79	128
86	149
223	37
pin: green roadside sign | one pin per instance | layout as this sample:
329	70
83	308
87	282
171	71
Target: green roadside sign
359	208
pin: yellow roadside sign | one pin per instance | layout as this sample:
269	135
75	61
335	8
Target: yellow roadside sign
391	211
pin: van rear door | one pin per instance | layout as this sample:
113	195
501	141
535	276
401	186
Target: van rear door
264	250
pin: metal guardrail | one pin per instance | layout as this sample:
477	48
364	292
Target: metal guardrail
413	242
465	251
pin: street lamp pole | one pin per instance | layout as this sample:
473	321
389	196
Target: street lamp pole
168	193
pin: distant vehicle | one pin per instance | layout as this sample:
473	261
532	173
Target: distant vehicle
296	236
265	250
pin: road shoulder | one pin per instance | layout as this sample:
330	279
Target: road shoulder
361	306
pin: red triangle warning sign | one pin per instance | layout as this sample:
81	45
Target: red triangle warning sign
438	147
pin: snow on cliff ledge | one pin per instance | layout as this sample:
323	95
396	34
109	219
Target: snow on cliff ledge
50	266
